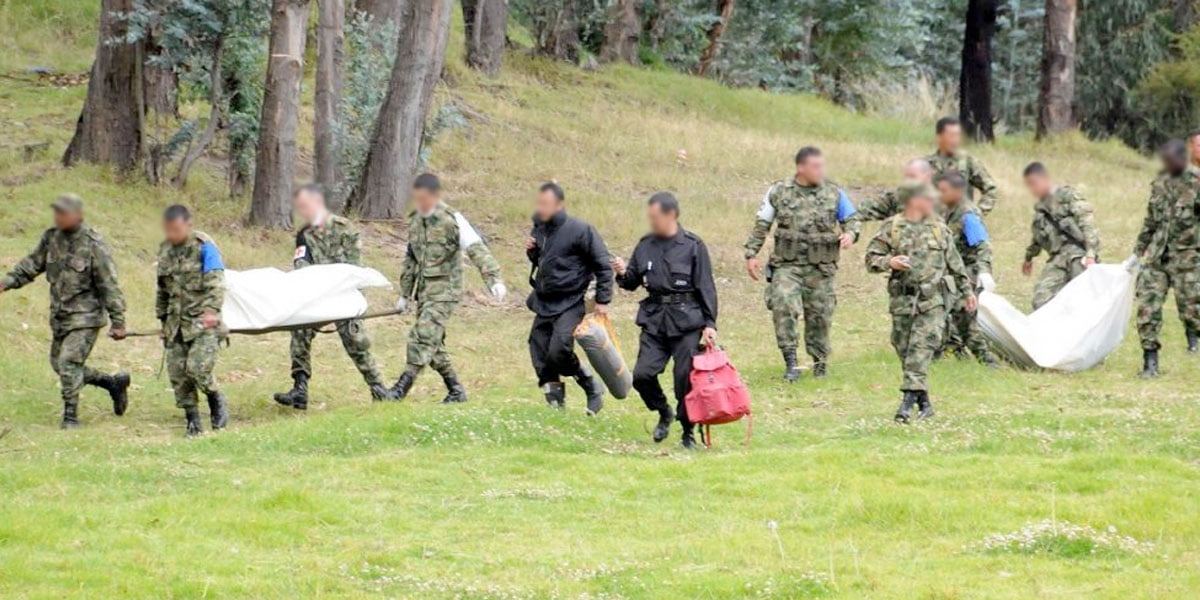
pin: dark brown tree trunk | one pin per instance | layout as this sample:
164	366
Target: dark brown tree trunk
330	59
623	33
975	83
486	22
725	10
275	164
383	191
1055	112
557	32
109	130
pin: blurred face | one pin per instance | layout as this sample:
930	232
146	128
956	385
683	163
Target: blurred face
811	170
1194	148
949	194
176	231
310	206
1039	185
662	223
67	221
950	139
547	205
918	172
1173	163
919	206
425	200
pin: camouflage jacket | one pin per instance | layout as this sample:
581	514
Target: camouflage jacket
1063	225
335	242
433	263
1171	231
887	204
977	177
808	221
937	271
82	275
970	238
191	282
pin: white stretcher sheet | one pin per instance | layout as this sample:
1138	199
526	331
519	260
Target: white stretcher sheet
267	298
1074	331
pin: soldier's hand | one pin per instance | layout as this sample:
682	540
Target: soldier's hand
709	337
754	268
117	333
972	303
899	263
209	320
618	265
530	243
1088	261
846	240
499	291
402	304
602	309
1027	268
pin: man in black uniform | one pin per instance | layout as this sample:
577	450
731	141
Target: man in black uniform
567	254
680	314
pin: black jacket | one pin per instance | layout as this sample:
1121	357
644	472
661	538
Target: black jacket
569	254
678	274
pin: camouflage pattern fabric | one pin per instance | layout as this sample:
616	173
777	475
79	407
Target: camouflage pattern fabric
887	204
1064	227
1153	284
962	327
427	338
190	365
355	341
978	179
918	296
68	357
1057	273
803	290
1169	249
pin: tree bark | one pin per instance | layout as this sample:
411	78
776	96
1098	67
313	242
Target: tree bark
330	59
1055	112
383	191
486	23
275	165
975	84
623	33
381	11
196	149
109	129
725	10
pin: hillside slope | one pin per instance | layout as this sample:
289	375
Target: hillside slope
501	498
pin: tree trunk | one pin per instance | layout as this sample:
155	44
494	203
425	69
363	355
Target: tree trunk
1055	112
556	31
109	130
330	58
381	11
197	148
725	10
486	22
975	84
623	33
383	191
275	165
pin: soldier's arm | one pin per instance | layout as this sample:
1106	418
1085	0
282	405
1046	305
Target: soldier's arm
353	247
979	246
302	257
1149	224
847	215
408	275
1034	248
879	253
162	297
104	276
763	220
1085	216
878	208
533	252
633	277
982	181
596	253
702	275
212	269
30	267
954	263
477	251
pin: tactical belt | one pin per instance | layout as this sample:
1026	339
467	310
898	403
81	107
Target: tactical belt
677	298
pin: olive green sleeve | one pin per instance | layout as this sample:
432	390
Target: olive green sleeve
852	225
764	218
1034	248
353	247
408	274
1085	216
980	257
1149	224
879	252
214	291
982	181
488	266
104	277
30	267
880	207
957	270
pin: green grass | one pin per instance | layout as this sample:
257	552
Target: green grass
502	498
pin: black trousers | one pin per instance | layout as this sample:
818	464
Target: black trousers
552	345
653	353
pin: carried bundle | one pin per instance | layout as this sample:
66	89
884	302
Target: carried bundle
598	338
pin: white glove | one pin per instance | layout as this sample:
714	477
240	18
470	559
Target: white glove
499	291
402	304
985	280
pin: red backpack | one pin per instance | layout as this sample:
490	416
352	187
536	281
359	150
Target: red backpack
717	395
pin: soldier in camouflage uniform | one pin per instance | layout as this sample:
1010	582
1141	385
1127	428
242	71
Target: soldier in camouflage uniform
951	158
1169	250
84	295
918	250
438	237
327	239
971	241
1063	226
814	220
891	202
191	292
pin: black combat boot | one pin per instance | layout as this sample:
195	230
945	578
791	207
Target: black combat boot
593	388
663	429
218	410
380	392
405	383
192	415
1149	364
924	406
1193	340
70	418
904	413
556	394
791	372
117	387
298	396
688	442
820	368
456	393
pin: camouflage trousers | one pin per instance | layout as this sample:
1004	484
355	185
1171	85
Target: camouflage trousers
69	352
1058	272
354	340
427	338
190	366
963	333
806	291
1153	283
916	338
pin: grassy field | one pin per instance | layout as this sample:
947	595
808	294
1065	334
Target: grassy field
502	498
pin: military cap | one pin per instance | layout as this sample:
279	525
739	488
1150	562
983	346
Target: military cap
69	203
